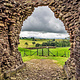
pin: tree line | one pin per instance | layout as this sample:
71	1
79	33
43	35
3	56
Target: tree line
62	43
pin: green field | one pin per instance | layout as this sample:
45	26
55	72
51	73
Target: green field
60	60
29	41
58	52
22	43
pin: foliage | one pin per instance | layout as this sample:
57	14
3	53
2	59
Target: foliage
40	41
53	39
57	42
37	45
44	44
22	42
26	43
32	38
33	43
63	43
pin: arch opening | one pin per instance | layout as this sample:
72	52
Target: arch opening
13	13
35	21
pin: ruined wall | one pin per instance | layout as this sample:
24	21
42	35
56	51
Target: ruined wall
12	15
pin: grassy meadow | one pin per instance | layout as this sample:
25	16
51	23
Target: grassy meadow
29	41
59	60
59	50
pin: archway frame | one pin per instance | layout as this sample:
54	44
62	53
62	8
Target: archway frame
12	15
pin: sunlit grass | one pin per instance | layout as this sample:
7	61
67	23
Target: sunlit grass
22	43
29	41
60	60
60	51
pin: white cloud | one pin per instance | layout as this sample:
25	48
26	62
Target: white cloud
42	35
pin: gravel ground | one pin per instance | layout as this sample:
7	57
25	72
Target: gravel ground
41	69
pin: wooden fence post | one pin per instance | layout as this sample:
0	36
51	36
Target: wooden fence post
42	51
30	52
24	53
37	52
48	51
65	53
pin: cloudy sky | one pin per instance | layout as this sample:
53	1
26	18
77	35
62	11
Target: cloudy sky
43	24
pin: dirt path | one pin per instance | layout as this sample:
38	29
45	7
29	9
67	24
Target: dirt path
41	69
44	69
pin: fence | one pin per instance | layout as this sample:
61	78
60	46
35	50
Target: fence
46	52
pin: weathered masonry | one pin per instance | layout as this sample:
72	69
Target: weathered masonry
12	15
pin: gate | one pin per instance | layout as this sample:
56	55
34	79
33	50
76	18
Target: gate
46	52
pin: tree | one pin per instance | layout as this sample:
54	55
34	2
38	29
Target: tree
33	43
26	43
53	39
37	45
44	44
52	44
32	38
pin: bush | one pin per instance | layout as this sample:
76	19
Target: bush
33	43
26	43
44	44
63	43
37	45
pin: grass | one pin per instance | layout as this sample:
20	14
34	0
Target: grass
60	51
29	41
22	43
58	39
60	60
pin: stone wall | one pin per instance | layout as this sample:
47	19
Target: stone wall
13	74
12	15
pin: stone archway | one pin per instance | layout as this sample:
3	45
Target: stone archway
12	15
